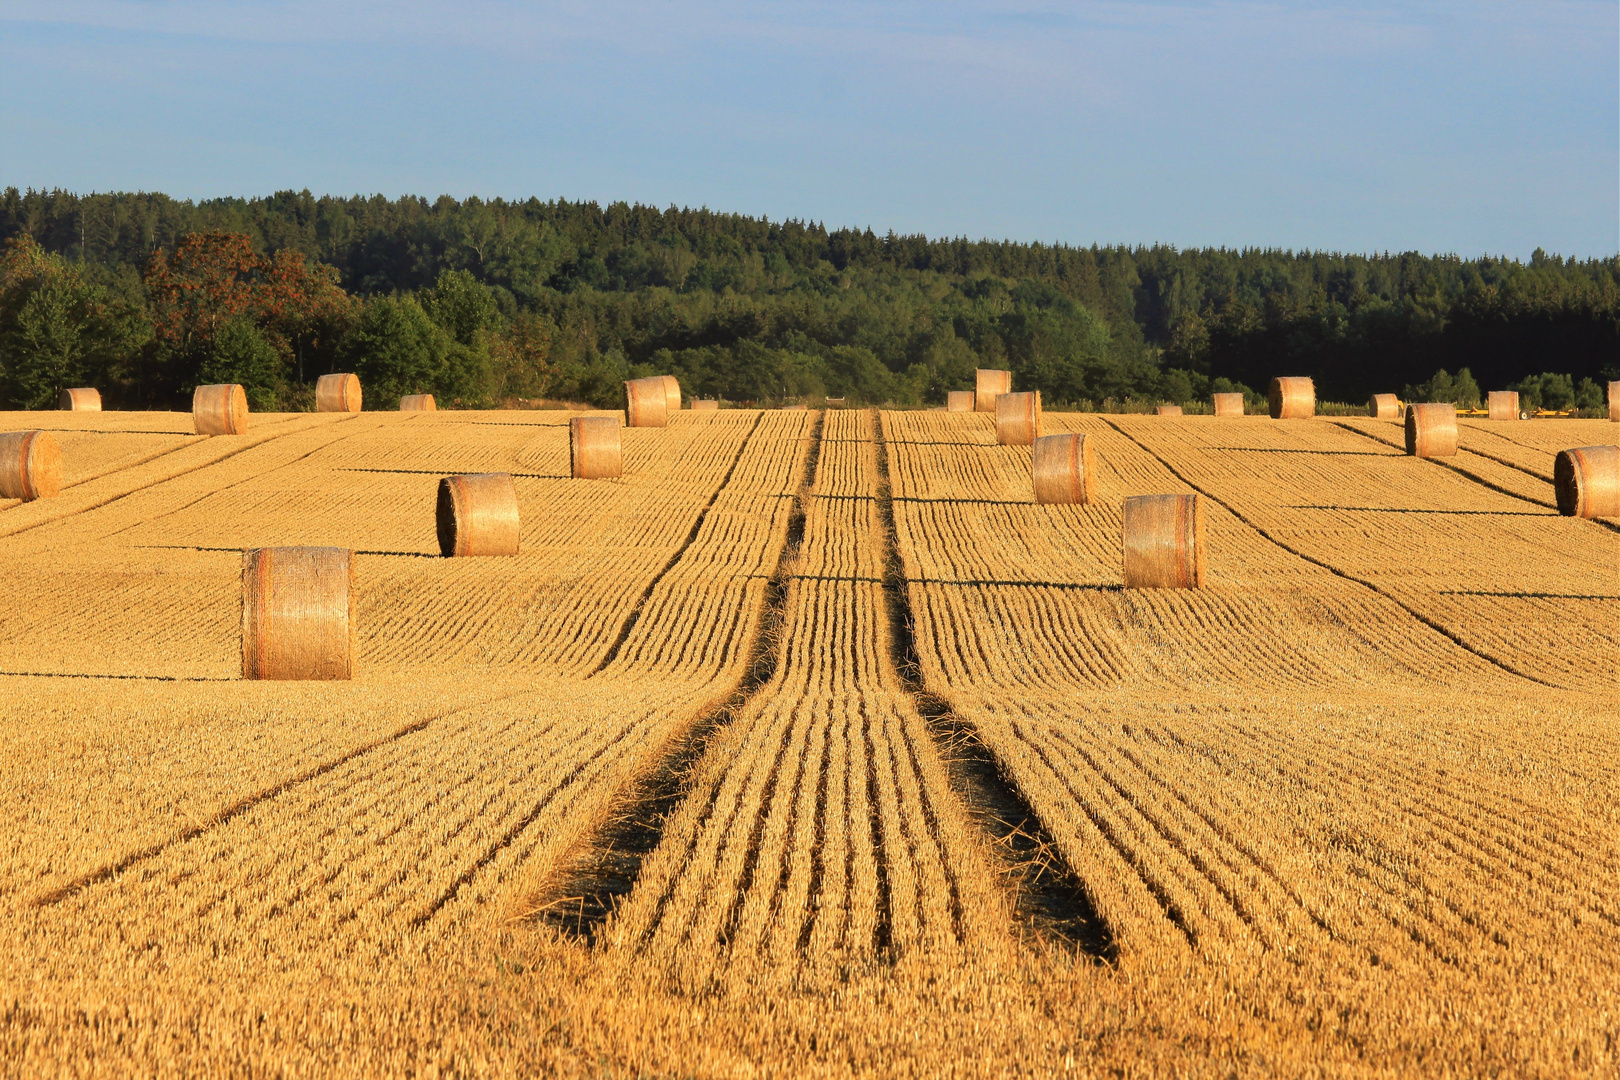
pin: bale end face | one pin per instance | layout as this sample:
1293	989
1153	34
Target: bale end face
1228	404
418	403
1164	542
296	620
1431	430
646	402
80	399
595	450
1586	481
959	401
337	393
30	465
1167	410
989	384
1503	404
672	393
1018	418
1384	406
1293	399
221	409
1062	470
477	514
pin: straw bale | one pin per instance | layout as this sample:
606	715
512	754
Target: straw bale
337	393
959	401
989	384
221	409
30	465
477	515
1228	404
595	450
1614	402
1384	406
1431	430
1062	470
296	613
1164	542
1167	410
705	405
80	399
1018	418
1503	404
1586	481
418	403
1293	399
646	402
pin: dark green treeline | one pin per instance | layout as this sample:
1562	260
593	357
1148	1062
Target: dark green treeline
750	309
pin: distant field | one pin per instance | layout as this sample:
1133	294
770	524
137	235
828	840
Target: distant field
814	746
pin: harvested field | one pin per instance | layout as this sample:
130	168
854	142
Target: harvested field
814	745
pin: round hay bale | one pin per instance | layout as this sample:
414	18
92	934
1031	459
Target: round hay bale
30	465
1586	481
1167	410
1431	430
296	613
1503	404
959	401
220	410
595	450
1018	418
81	399
705	405
1061	468
477	515
646	402
1164	542
1614	403
989	384
672	393
1228	404
1384	406
418	403
1293	399
337	393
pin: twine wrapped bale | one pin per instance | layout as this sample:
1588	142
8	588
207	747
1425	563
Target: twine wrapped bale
296	613
1062	470
705	405
1503	404
595	451
672	393
646	402
477	515
1167	410
1018	418
337	393
220	409
1228	404
81	399
1293	399
418	403
1586	481
1384	406
959	401
30	465
1431	430
989	384
1614	403
1164	542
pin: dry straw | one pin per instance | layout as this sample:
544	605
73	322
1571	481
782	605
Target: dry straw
989	384
477	515
1614	402
1431	430
418	403
1228	404
1503	404
81	399
1164	542
1167	410
672	393
1018	418
295	613
1586	481
1384	406
337	393
220	410
959	401
1062	470
30	465
1293	399
646	402
595	451
705	405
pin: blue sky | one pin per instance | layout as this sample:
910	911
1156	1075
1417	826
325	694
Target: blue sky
1466	126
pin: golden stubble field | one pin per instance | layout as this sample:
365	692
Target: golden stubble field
813	746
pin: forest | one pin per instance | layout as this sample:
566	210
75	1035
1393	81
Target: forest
487	303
